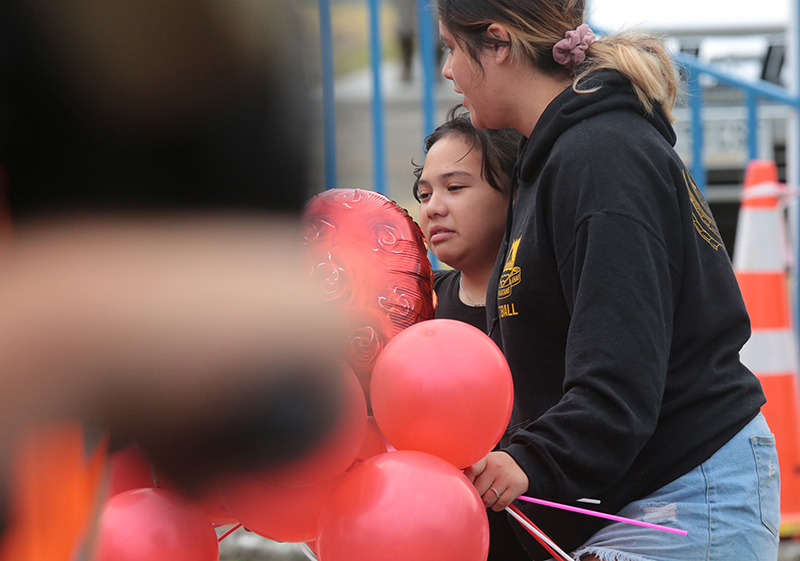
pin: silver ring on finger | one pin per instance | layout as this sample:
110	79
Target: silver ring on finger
495	492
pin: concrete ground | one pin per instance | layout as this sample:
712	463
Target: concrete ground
246	546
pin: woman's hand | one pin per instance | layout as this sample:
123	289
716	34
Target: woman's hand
498	479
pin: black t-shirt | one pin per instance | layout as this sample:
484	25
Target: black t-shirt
450	306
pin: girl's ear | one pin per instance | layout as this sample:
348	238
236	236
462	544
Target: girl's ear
500	39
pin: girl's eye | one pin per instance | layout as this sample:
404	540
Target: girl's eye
452	188
446	49
423	196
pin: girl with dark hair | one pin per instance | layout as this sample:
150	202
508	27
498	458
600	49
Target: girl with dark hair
463	190
613	299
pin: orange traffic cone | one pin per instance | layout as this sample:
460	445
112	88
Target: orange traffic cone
760	262
55	495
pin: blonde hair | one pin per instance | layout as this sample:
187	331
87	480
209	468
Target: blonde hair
643	59
535	26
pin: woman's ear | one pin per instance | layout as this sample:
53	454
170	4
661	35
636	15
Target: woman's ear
500	41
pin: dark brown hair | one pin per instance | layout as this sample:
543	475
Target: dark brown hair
498	148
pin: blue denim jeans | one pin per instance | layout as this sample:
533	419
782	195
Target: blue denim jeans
729	505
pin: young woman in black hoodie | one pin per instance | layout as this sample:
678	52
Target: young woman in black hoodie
613	298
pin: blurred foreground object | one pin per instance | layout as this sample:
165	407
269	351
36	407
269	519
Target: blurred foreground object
52	469
174	105
193	338
154	159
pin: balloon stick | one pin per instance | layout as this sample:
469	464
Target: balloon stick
309	553
229	532
540	536
603	515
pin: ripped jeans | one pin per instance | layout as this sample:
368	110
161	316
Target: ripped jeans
730	506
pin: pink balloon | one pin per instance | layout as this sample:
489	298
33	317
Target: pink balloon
154	524
339	448
443	387
284	514
404	506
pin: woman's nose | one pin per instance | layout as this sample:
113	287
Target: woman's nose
436	206
447	69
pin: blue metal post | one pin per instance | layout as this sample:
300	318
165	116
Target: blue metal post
696	107
427	40
752	125
328	107
376	56
427	48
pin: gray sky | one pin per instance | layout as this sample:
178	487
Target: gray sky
673	15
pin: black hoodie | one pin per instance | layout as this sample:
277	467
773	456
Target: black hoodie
615	303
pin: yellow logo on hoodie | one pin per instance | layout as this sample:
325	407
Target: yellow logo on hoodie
701	214
512	274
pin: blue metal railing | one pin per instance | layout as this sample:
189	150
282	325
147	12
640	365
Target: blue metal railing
427	47
427	34
694	67
328	108
378	127
752	90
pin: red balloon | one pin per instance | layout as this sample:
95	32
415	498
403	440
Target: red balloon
337	451
284	514
154	524
443	387
129	469
369	260
401	506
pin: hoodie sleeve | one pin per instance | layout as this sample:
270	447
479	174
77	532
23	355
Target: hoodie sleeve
616	280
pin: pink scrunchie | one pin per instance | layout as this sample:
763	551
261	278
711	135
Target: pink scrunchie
571	50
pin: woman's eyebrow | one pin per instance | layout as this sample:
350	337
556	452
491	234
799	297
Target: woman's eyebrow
448	175
456	173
